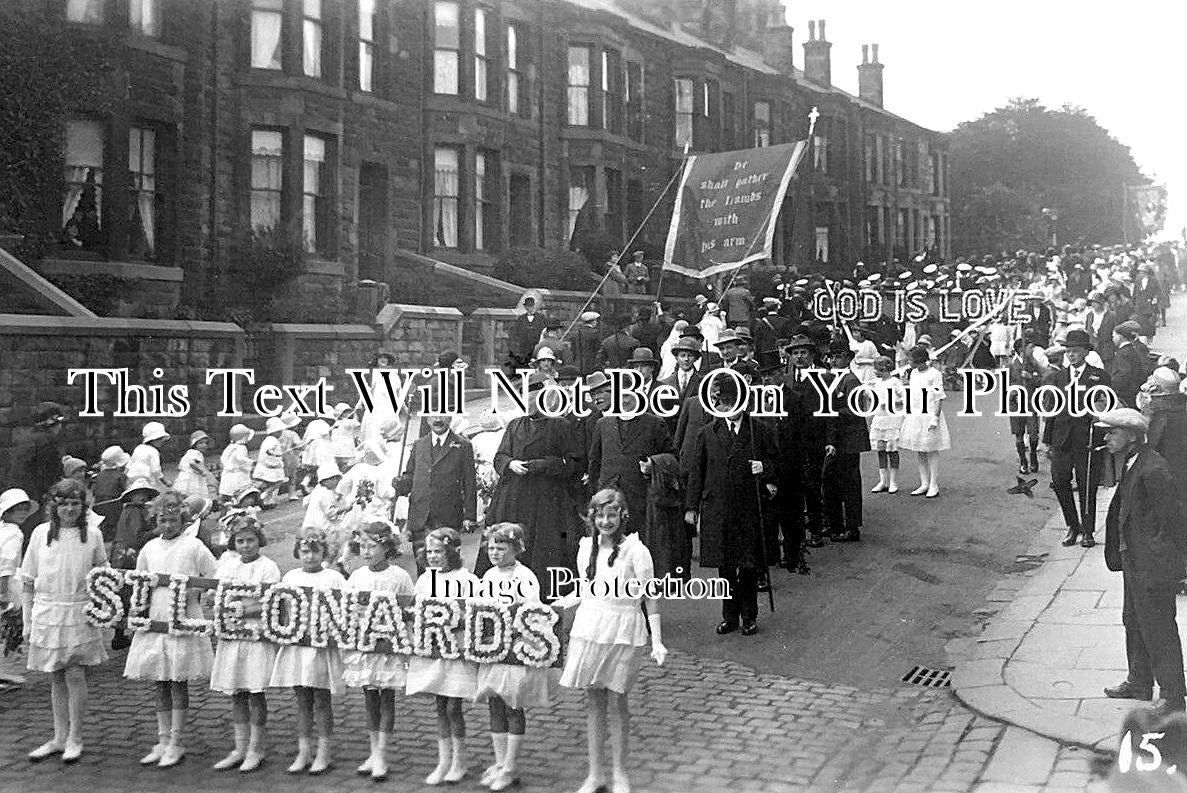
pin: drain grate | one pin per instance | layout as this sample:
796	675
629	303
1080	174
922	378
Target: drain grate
930	678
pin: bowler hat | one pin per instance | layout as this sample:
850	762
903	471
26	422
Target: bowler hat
1124	419
746	368
1078	338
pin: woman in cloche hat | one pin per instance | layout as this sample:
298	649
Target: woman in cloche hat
146	458
269	473
193	477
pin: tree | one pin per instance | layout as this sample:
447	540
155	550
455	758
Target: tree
1023	175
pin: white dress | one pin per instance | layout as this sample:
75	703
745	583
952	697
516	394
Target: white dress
60	635
12	666
312	667
923	389
191	475
244	665
518	685
161	656
864	353
441	676
887	422
609	634
236	465
145	463
367	489
378	670
270	461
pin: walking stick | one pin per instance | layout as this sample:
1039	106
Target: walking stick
762	525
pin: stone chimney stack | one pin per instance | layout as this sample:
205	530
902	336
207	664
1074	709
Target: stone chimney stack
817	66
869	75
778	46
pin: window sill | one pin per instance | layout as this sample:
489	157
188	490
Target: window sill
129	270
317	266
156	47
274	78
601	135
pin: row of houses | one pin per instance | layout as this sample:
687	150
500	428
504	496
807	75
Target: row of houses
460	129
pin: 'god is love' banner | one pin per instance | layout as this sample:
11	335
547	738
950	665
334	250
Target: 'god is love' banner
481	631
726	208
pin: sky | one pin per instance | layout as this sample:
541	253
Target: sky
949	61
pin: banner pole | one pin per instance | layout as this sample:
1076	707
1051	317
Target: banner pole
642	223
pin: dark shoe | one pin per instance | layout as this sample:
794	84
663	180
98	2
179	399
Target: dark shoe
749	628
1070	538
764	583
1023	468
816	540
851	535
729	627
1088	541
1128	690
1034	464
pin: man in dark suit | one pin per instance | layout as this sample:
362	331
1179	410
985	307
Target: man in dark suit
620	457
439	483
766	330
1101	328
1131	363
616	350
587	337
734	456
801	440
686	379
846	436
525	334
1146	541
1067	440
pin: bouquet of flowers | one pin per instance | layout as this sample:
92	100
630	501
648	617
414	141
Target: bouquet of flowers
11	629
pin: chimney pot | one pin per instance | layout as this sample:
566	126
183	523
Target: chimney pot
811	30
822	36
869	78
865	53
875	52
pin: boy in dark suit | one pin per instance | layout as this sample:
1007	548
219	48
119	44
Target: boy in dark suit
440	484
846	436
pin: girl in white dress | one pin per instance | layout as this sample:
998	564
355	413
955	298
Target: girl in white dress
510	687
314	673
268	473
236	463
452	681
61	641
344	435
864	352
171	661
925	430
15	509
242	668
379	674
886	423
609	633
315	452
193	479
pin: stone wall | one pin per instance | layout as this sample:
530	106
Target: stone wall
39	350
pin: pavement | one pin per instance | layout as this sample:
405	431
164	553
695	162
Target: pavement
1056	639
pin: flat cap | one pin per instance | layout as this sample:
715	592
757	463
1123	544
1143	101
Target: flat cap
1124	419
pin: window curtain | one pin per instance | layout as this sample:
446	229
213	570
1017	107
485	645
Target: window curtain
311	41
84	157
578	196
266	22
142	165
267	149
315	158
445	182
89	12
144	17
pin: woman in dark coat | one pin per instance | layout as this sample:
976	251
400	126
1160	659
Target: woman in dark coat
535	462
1166	407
